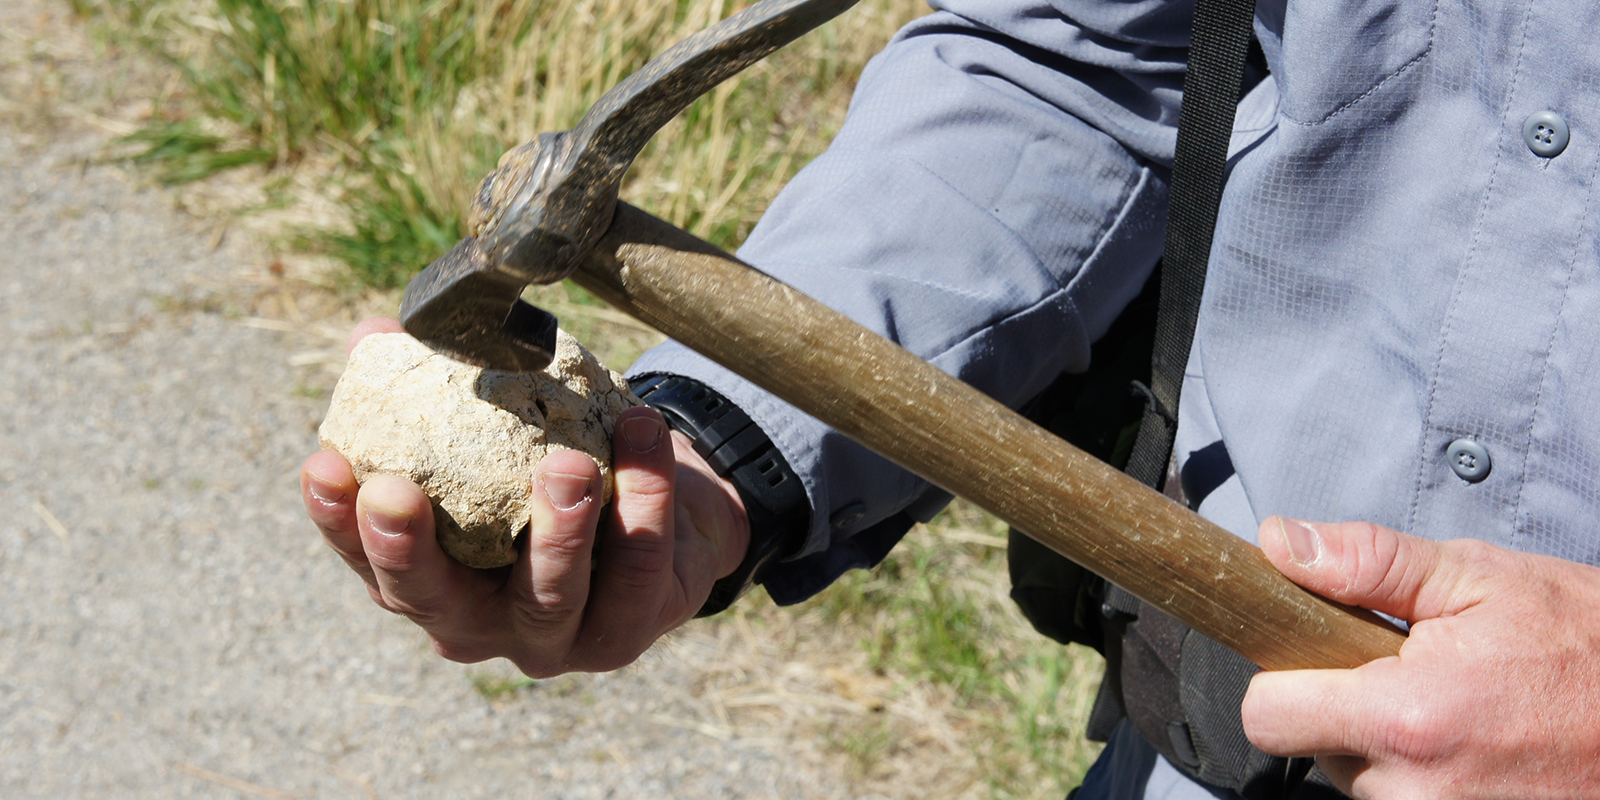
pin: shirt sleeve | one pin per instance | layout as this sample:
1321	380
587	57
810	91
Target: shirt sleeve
994	199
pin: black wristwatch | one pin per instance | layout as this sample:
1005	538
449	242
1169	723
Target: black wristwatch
739	451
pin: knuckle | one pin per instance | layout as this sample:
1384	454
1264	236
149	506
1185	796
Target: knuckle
541	660
634	568
641	489
1371	567
462	652
331	521
378	599
647	486
427	613
390	562
540	668
610	655
552	614
1476	555
1419	732
565	546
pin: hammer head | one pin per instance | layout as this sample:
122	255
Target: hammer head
463	308
531	223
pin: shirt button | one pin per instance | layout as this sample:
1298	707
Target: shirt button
847	516
1469	460
1546	134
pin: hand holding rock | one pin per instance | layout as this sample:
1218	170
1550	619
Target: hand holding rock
590	587
470	437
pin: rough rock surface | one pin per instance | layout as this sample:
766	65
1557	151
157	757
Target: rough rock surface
470	437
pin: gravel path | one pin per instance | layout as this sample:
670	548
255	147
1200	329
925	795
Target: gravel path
170	625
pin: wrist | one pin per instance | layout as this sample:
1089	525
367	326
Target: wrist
774	504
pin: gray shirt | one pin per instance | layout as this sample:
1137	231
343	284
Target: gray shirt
1400	262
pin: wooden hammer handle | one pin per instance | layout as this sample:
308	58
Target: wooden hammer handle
877	393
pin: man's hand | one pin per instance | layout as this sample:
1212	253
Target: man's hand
592	588
1496	694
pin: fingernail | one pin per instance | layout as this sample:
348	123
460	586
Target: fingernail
566	492
1304	543
642	433
325	493
387	521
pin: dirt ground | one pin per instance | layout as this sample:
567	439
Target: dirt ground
170	625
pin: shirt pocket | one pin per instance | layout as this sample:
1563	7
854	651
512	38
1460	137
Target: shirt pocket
1338	52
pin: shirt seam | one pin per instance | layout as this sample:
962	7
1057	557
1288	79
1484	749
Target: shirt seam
1424	457
1519	528
1427	50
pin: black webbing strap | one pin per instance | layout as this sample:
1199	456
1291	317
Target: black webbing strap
1176	686
1218	46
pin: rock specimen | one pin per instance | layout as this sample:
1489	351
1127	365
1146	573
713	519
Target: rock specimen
470	437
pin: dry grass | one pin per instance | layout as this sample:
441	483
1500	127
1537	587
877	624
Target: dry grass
414	102
974	703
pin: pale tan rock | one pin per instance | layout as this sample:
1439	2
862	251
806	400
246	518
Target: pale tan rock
471	437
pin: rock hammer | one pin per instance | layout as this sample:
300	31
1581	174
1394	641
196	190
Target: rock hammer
551	211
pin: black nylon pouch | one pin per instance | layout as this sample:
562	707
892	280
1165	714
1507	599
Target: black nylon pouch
1182	691
1179	688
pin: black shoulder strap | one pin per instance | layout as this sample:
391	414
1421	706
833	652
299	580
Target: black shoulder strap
1200	718
1218	47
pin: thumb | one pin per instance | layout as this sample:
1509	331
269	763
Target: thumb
1373	567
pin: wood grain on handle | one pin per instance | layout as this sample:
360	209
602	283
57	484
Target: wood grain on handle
877	393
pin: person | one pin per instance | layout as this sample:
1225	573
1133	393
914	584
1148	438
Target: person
1395	343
